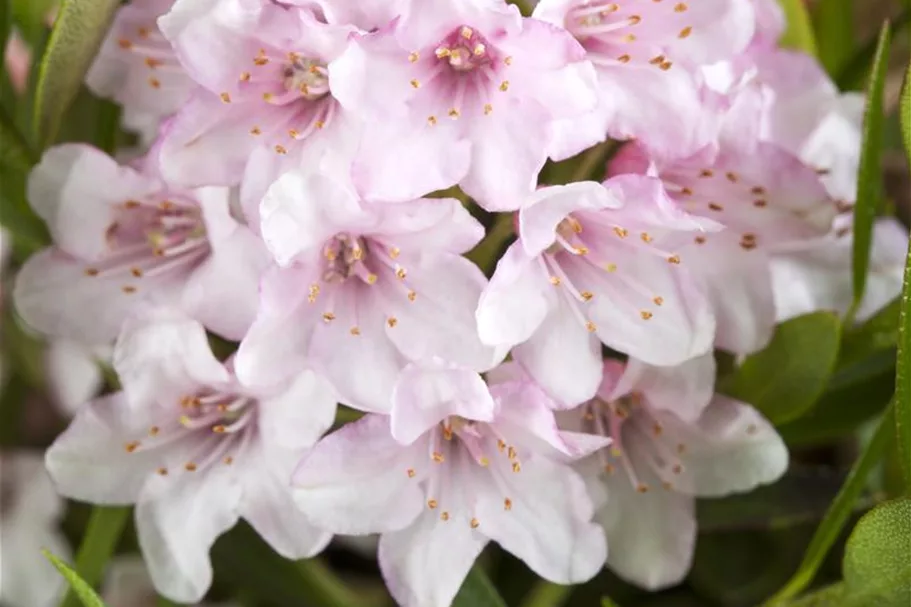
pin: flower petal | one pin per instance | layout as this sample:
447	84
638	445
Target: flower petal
178	518
546	524
425	395
356	480
425	563
651	535
563	357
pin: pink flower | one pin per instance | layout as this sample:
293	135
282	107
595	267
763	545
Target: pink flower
123	237
596	264
29	522
460	91
765	197
265	104
194	449
672	441
138	68
647	55
364	288
453	467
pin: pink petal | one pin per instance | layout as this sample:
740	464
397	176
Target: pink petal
543	211
356	480
546	525
426	395
88	461
178	518
74	189
563	357
268	505
54	295
424	564
161	356
303	210
448	287
685	389
296	415
651	535
516	301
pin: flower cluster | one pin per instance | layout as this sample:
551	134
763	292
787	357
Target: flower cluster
287	197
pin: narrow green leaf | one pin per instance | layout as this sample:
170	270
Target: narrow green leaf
98	544
855	71
869	181
903	380
323	587
77	35
16	161
877	564
787	378
834	24
547	594
607	602
86	596
15	154
905	113
478	591
839	512
799	32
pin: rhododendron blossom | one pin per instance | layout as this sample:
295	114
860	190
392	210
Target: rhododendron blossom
364	288
431	275
672	440
765	198
453	467
647	55
460	92
264	93
123	237
194	449
138	68
596	263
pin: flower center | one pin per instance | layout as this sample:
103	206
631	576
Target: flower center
345	256
306	76
213	427
628	419
455	445
465	50
148	240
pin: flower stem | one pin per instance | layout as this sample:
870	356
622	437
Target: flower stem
327	589
98	544
547	594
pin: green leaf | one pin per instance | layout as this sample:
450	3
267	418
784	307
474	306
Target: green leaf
877	564
787	378
77	35
607	602
547	594
834	24
905	113
248	563
869	181
853	74
839	512
478	591
799	32
87	596
903	380
98	544
16	161
15	155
